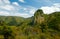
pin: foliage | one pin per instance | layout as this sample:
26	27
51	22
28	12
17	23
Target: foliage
40	26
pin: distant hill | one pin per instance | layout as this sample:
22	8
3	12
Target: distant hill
11	20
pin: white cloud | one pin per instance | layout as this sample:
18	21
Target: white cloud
57	4
29	11
25	9
4	13
22	1
15	3
6	1
14	9
32	11
7	7
48	10
25	15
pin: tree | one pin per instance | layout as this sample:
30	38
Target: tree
6	32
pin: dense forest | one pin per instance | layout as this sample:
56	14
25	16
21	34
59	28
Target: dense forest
39	26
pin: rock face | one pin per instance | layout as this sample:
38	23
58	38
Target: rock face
38	17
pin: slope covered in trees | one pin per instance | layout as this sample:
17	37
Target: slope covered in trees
39	26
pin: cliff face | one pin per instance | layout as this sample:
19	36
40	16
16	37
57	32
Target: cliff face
38	17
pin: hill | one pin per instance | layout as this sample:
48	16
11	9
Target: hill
11	20
39	26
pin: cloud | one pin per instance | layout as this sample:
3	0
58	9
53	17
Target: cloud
4	1
22	1
50	9
7	7
4	13
14	9
32	11
57	4
28	11
15	3
25	15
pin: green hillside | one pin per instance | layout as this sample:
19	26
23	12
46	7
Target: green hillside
39	26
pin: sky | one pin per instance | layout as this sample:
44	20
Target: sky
27	8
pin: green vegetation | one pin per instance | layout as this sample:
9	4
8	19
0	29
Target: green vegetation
40	26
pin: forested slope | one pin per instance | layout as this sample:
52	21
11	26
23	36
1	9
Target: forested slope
39	26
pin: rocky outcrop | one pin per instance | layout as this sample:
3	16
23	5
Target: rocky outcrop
38	17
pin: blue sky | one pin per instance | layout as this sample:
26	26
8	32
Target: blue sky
37	3
26	8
